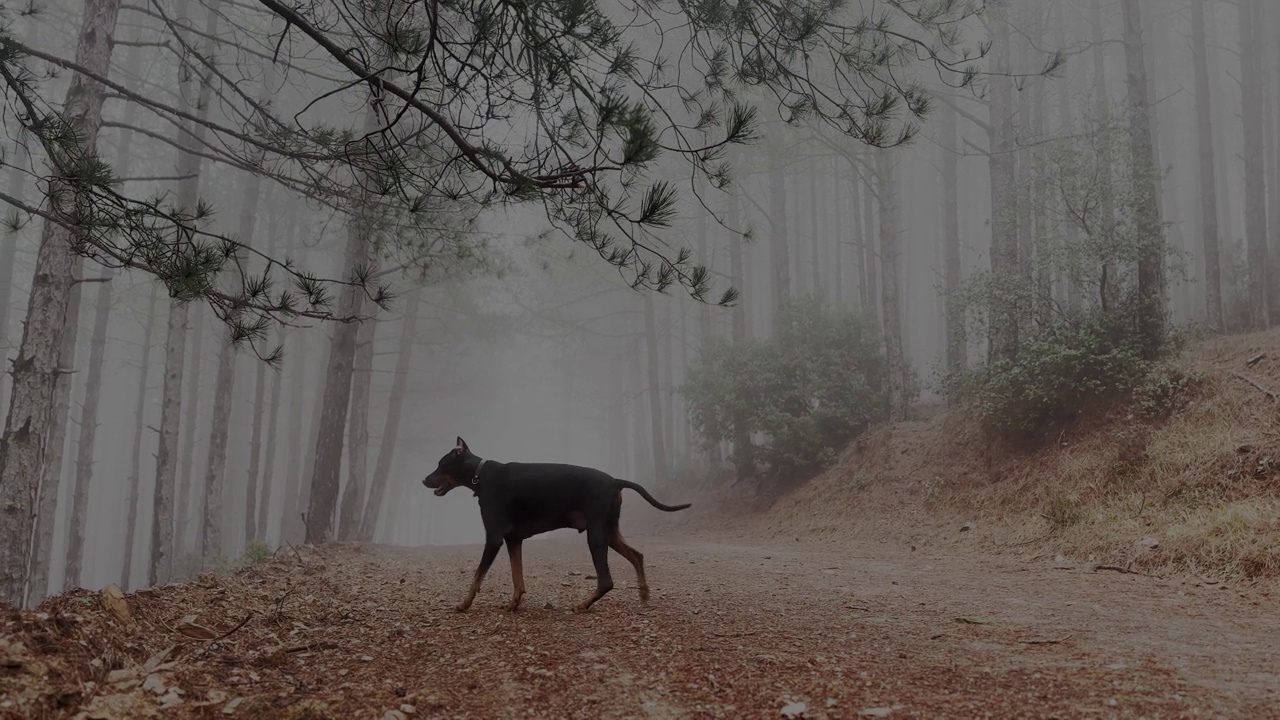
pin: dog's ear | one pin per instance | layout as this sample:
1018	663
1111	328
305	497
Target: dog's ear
462	445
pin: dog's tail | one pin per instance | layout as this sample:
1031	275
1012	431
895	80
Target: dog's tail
645	494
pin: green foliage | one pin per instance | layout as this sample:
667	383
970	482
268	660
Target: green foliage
254	554
1056	374
1076	297
807	392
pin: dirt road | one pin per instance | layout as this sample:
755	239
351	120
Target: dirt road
732	631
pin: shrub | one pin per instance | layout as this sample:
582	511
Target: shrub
802	394
1063	370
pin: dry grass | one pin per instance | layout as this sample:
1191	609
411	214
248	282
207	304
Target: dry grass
1197	490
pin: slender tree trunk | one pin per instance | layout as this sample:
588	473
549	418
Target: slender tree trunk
140	427
890	254
255	454
166	523
358	430
1252	101
815	228
858	237
1064	126
291	529
56	445
956	343
211	526
779	243
184	482
269	459
93	383
391	426
706	330
35	371
1205	164
737	270
88	431
655	391
162	547
870	261
1151	256
1003	338
8	256
323	498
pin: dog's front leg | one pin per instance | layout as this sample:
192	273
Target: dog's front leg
491	548
517	572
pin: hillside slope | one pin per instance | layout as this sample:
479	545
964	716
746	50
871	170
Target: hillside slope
1196	491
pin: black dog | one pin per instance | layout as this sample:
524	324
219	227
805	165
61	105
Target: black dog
520	500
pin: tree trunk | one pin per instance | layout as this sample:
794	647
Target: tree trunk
391	426
166	523
140	427
778	242
870	261
36	369
956	342
1255	187
56	445
323	498
8	255
858	238
88	431
267	483
211	525
162	547
1205	164
185	484
737	270
85	445
1003	339
815	228
706	331
655	391
358	430
291	528
890	254
1146	187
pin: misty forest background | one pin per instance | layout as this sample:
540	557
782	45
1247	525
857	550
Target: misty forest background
1107	177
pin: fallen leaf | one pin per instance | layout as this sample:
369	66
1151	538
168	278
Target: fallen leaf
230	708
794	710
189	627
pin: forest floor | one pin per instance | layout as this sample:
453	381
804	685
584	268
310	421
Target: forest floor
743	628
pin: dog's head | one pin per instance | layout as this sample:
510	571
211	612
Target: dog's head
455	468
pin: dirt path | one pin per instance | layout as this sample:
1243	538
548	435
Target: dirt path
733	631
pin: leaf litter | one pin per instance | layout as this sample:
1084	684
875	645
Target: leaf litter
357	631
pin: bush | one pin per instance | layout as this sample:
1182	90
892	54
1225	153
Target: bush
1064	369
803	394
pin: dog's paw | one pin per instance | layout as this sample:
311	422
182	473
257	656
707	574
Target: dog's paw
644	595
462	607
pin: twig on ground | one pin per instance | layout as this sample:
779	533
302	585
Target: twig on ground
1121	569
1047	641
735	634
317	645
1257	385
1255	359
858	607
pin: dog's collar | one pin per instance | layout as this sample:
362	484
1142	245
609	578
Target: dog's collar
475	479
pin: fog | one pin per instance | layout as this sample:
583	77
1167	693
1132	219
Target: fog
526	342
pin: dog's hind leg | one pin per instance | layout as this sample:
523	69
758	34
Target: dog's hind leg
598	542
517	572
486	559
633	556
